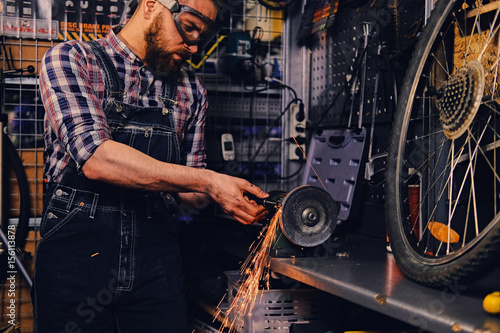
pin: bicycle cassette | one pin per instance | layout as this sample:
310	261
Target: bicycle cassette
461	98
308	216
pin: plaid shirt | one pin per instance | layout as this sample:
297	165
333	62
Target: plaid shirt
72	91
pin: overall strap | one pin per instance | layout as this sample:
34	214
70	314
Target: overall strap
169	90
113	85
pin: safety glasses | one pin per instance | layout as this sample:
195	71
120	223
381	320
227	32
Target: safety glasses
194	27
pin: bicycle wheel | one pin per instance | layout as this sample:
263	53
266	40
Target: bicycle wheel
14	165
443	184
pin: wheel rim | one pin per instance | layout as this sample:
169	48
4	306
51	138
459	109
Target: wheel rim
447	172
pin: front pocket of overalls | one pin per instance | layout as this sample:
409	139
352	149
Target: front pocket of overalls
55	217
154	142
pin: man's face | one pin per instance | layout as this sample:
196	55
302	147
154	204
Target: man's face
165	48
164	55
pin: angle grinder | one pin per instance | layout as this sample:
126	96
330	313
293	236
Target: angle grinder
308	214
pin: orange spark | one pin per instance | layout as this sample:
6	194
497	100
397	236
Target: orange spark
254	272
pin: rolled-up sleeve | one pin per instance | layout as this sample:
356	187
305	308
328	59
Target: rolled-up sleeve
71	92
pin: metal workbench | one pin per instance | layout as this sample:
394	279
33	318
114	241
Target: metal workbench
360	269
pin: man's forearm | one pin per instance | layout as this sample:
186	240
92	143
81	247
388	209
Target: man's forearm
121	165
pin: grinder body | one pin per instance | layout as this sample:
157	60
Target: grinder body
308	214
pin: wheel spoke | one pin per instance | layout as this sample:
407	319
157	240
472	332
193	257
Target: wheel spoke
493	32
444	68
484	154
474	26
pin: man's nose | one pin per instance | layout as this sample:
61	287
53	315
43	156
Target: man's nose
192	48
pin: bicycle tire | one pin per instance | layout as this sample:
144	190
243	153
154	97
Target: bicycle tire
446	189
15	164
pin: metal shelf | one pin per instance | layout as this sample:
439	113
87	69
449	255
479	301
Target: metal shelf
360	270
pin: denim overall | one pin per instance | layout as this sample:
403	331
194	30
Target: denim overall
109	258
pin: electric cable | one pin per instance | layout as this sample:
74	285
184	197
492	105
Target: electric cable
276	122
255	45
266	136
279	85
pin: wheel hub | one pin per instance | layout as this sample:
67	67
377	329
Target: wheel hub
460	99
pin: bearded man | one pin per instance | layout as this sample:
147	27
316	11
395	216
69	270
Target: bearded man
124	134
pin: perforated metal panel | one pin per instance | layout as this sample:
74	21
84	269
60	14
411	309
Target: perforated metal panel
365	42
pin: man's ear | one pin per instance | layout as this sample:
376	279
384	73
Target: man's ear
148	7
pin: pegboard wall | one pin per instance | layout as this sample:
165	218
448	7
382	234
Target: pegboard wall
357	63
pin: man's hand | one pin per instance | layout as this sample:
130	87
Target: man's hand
230	193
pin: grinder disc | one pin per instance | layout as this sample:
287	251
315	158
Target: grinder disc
308	216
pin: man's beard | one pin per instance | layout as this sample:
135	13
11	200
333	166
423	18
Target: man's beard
159	60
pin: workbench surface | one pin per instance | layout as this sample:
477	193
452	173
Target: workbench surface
360	269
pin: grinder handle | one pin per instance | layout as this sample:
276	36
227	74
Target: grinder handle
272	202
